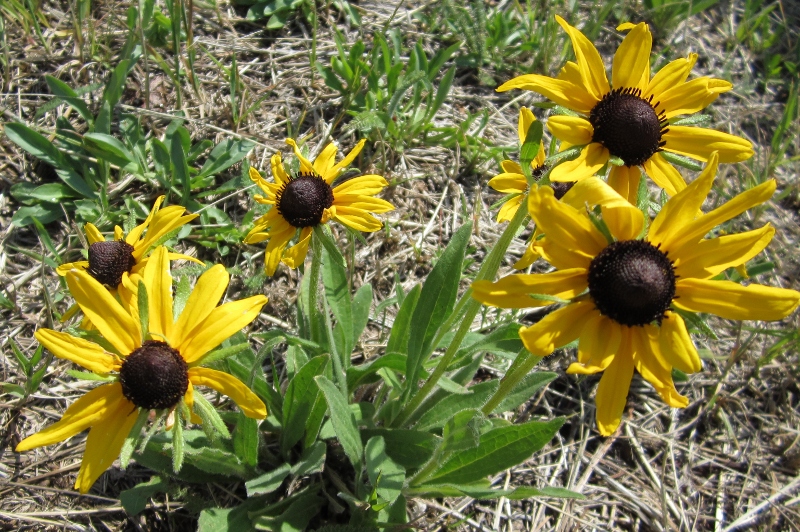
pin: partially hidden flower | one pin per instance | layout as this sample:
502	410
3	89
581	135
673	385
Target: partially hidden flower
629	119
153	369
624	297
110	261
301	202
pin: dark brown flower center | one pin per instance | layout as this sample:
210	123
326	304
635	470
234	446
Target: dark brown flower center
303	200
155	376
561	187
632	282
628	125
109	260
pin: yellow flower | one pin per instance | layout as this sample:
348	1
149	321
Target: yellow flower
308	199
154	373
112	261
623	295
629	119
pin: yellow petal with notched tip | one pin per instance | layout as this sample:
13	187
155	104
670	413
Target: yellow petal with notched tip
344	163
278	171
572	129
590	64
365	185
136	232
708	258
733	301
230	386
296	255
676	345
693	96
86	354
93	234
700	143
612	391
625	180
325	161
158	283
664	174
509	183
558	328
598	345
631	65
305	164
526	119
560	91
648	361
671	75
356	218
593	157
623	219
367	204
64	268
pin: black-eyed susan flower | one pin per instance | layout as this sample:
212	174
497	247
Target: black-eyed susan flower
303	201
154	370
628	119
112	260
624	295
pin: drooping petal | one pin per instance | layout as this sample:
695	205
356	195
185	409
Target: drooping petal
95	405
708	258
664	174
232	387
593	71
593	157
518	290
509	183
509	209
671	75
296	255
86	354
106	314
526	118
700	143
625	180
648	361
93	234
573	129
632	59
567	230
557	328
278	240
530	255
208	291
623	219
598	345
693	96
612	391
676	344
560	91
270	189
105	442
221	323
305	164
158	282
733	301
682	208
278	171
365	185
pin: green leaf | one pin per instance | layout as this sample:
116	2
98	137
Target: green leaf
530	148
180	168
450	406
362	302
301	395
70	97
481	490
343	420
400	333
409	448
236	519
226	154
525	390
498	450
441	93
44	213
178	444
268	482
49	192
112	150
212	422
296	517
135	500
144	310
312	461
245	440
463	431
680	160
435	303
393	361
384	474
337	291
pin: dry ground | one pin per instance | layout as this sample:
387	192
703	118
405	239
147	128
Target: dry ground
708	467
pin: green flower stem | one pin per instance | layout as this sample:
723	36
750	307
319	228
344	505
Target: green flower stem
313	285
470	308
523	363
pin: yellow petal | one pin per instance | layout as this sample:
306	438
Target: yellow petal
296	255
664	174
221	323
632	58
612	391
516	291
509	209
104	443
137	231
593	157
509	183
529	256
93	234
526	118
673	74
593	71
560	91
691	97
344	163
365	185
225	384
366	204
557	328
163	223
733	301
598	344
682	208
511	167
106	314
623	219
708	258
676	345
208	291
649	362
64	268
325	160
82	414
700	143
572	129
278	171
569	232
83	352
305	164
158	282
357	219
278	240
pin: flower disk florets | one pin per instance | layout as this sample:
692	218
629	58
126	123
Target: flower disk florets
303	200
109	260
155	376
632	282
628	126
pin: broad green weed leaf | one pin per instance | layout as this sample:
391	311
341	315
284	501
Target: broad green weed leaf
268	482
70	97
245	440
112	150
400	333
301	395
226	154
343	420
334	277
384	474
451	405
135	500
524	390
409	448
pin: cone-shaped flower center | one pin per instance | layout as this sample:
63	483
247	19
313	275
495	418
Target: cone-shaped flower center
561	187
632	282
302	200
628	126
155	376
109	260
